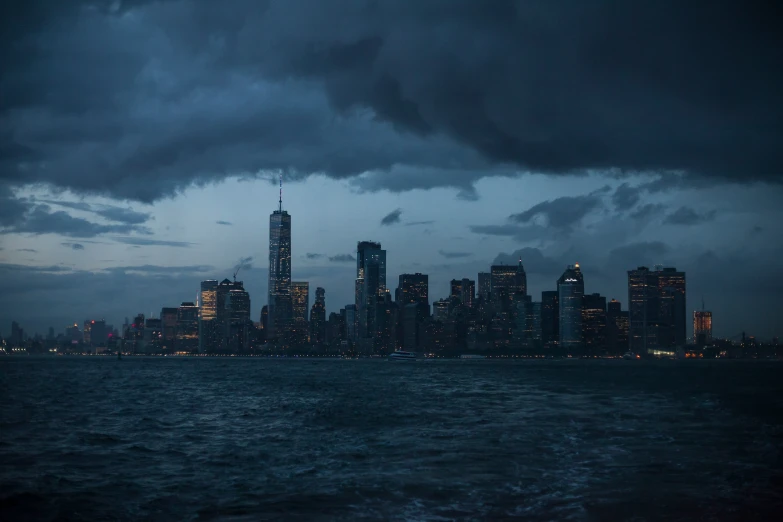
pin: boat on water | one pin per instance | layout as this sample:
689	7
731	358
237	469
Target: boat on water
630	355
400	355
472	356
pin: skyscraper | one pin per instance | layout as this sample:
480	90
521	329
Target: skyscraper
238	324
570	289
370	283
168	318
300	302
463	289
550	313
594	324
187	327
318	317
413	288
702	327
656	309
207	322
616	328
279	287
484	285
512	278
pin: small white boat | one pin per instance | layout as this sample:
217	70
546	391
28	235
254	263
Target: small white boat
400	355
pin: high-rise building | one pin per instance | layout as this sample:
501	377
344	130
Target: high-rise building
279	288
186	327
300	292
616	328
570	290
208	331
656	309
239	323
594	324
17	334
702	327
440	310
413	288
463	289
512	278
300	302
94	332
168	316
550	313
351	322
484	285
318	317
370	283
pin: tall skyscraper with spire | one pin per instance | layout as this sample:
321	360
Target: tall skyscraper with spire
279	290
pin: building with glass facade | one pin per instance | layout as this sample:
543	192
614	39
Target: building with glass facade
370	284
279	301
570	291
656	309
702	327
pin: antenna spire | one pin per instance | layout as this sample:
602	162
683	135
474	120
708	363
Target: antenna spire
281	192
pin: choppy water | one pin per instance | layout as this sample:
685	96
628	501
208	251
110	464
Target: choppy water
252	439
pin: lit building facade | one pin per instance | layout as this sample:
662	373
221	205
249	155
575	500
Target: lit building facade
187	327
550	313
370	283
239	324
484	285
570	291
512	278
207	324
656	309
594	324
702	327
413	288
279	301
318	317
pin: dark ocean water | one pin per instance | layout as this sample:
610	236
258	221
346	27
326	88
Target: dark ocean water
94	438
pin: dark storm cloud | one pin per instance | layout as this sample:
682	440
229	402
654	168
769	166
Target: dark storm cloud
648	212
313	255
454	255
635	253
363	90
40	219
226	223
26	250
73	246
562	213
142	241
157	269
417	223
10	267
687	216
625	197
109	212
342	258
392	217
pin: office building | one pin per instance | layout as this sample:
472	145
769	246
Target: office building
440	310
570	291
702	327
208	336
318	317
279	300
168	318
656	309
512	278
464	290
616	328
550	313
370	283
413	288
239	324
594	324
484	285
186	328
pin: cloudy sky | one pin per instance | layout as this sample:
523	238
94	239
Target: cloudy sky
140	143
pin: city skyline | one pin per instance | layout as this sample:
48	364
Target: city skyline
142	143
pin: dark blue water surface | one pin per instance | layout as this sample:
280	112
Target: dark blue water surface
95	438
